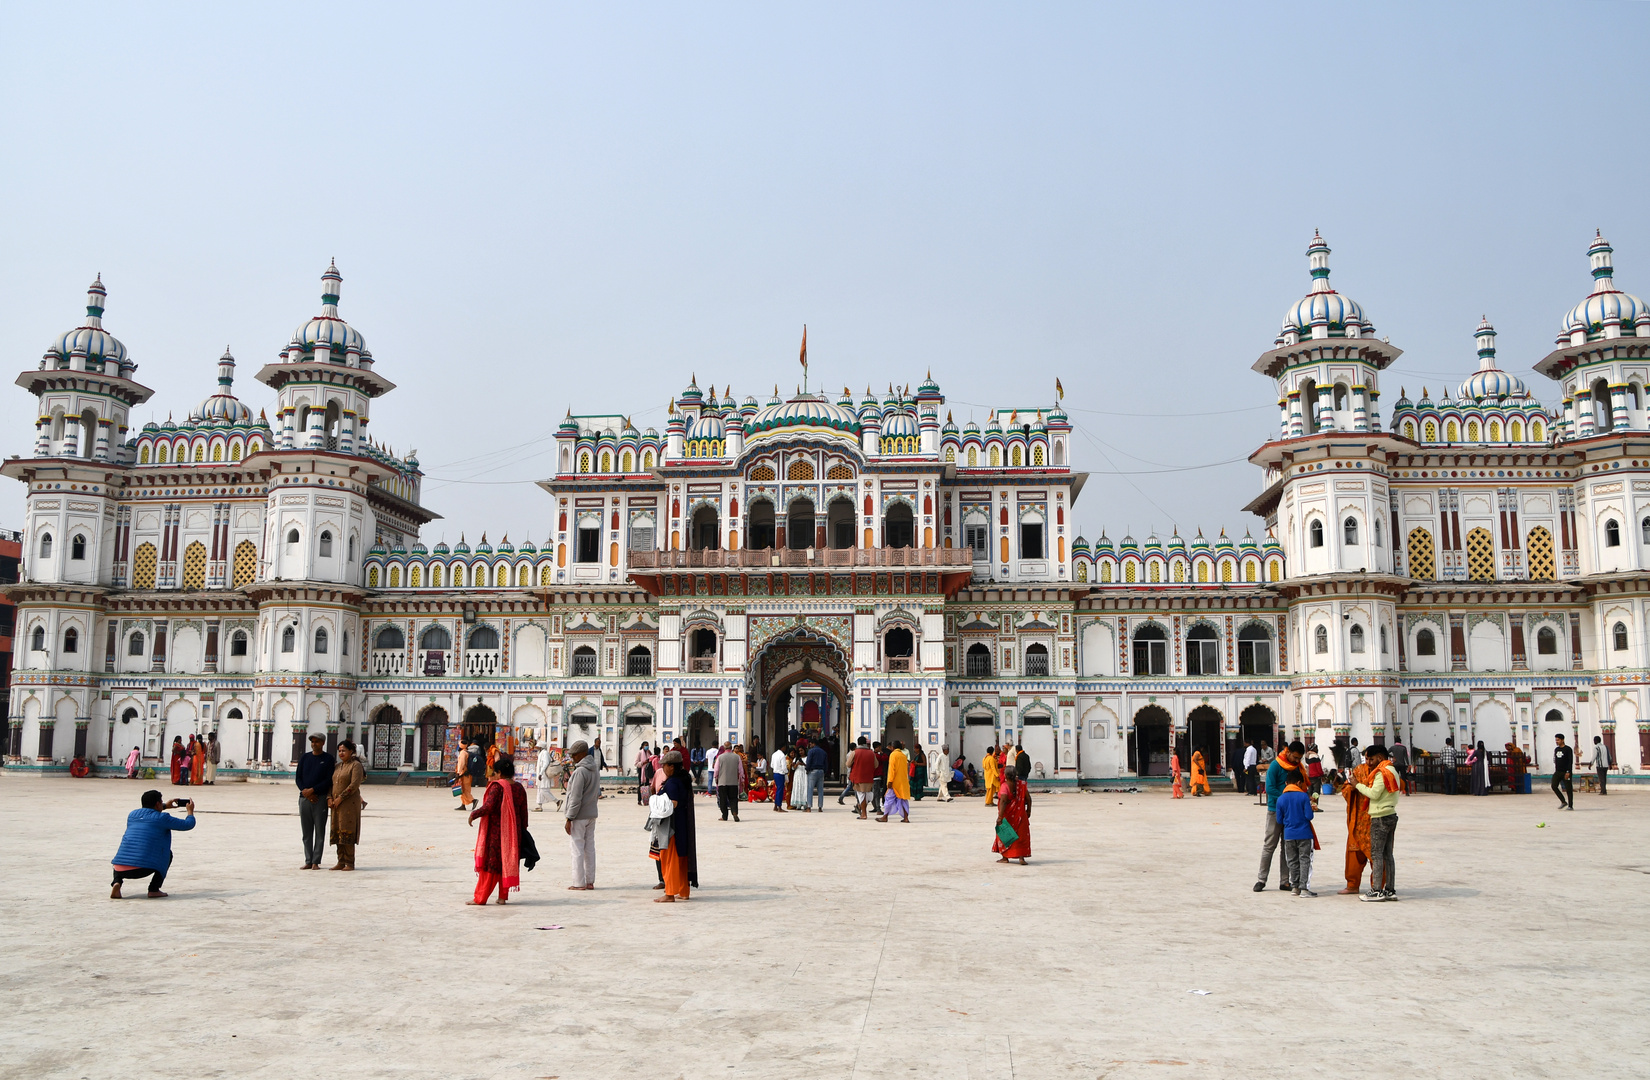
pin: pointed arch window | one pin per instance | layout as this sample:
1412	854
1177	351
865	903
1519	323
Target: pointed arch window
45	545
37	640
1320	641
1546	642
1349	531
1618	637
320	641
1355	638
1612	533
1314	532
1426	644
289	639
71	640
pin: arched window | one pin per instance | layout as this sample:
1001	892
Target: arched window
759	533
484	637
799	525
898	527
977	663
1320	641
351	556
705	531
1426	644
1356	638
1151	651
973	457
71	640
325	547
390	637
435	639
1612	533
289	639
1383	641
292	537
237	643
1340	397
1037	660
45	545
343	645
37	640
77	547
1349	531
1254	649
898	644
1644	530
638	661
1315	533
584	661
1546	642
134	645
1618	637
1202	651
1377	531
1429	717
320	641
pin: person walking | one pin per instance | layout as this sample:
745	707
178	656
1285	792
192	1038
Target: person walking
1357	827
1478	761
862	772
214	752
1295	812
146	846
503	814
897	787
542	770
816	777
1601	764
714	752
879	785
197	761
1174	768
179	755
726	775
1400	763
678	853
778	768
993	774
133	760
580	808
346	804
314	780
939	767
1563	767
1314	769
1251	767
1014	808
1278	774
1200	775
1382	792
1451	759
461	769
642	764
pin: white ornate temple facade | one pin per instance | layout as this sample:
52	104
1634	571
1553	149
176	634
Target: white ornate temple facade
1476	565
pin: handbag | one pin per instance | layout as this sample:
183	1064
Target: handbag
1006	834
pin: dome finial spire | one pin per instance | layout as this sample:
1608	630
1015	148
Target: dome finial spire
1598	253
331	288
96	294
1317	254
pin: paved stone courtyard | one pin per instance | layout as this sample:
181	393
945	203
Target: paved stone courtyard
823	947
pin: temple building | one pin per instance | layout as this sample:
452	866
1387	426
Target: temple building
1474	566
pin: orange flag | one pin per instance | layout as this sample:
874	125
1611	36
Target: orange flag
804	345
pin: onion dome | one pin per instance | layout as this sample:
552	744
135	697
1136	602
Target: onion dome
868	401
484	548
993	425
90	340
971	428
1127	544
1079	546
1606	306
651	433
461	548
891	401
1153	545
1270	545
708	426
1102	544
928	387
224	405
327	330
692	395
1248	543
900	424
1057	417
169	425
528	548
629	431
950	426
418	548
1177	542
1489	381
442	549
749	407
398	548
378	548
805	414
847	398
1224	542
1324	312
1039	424
505	547
1200	542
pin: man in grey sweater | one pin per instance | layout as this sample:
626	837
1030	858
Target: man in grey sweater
583	789
727	770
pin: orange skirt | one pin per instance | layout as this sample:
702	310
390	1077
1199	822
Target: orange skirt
675	871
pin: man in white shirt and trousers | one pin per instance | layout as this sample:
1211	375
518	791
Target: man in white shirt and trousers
939	771
544	770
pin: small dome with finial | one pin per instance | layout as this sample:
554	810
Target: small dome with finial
1324	312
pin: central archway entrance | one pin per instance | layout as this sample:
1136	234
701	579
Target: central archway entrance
800	683
1149	742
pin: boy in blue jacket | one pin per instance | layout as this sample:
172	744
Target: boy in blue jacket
1295	814
146	849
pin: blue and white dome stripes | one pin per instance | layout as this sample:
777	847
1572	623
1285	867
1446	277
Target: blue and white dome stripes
89	339
900	424
1606	305
804	412
1323	312
327	330
708	426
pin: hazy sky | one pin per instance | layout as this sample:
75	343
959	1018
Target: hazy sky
540	207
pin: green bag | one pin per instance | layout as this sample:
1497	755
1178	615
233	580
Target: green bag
1006	834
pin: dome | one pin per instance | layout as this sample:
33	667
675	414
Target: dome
802	415
1339	316
928	387
899	425
441	548
1489	381
90	339
327	330
708	426
223	406
1606	303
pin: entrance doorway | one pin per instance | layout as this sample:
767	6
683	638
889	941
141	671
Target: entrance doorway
898	725
432	733
480	727
638	729
701	730
386	738
1037	740
1149	742
979	733
1259	722
1204	730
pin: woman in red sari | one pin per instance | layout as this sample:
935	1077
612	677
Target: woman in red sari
1014	807
179	756
502	811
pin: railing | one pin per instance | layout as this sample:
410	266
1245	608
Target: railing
388	662
899	663
978	668
702	663
479	662
584	665
803	559
1036	664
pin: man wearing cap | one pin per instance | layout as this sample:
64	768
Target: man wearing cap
314	779
583	789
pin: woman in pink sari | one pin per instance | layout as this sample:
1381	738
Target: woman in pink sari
502	811
1174	766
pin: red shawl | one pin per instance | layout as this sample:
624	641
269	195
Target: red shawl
509	839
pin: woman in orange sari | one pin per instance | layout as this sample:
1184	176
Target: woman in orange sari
1200	775
502	811
1174	766
197	761
1014	807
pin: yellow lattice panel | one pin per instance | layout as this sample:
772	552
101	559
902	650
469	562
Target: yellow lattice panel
1422	566
800	470
1480	555
761	474
143	567
837	472
1541	554
246	563
194	566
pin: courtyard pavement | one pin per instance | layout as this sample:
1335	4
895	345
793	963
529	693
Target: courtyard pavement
820	946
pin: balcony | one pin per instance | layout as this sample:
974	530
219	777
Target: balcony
431	662
899	663
702	663
388	662
481	663
1037	664
805	559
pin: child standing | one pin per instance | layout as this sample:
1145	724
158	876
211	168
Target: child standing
1295	813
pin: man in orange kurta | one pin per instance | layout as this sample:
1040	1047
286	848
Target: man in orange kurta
1357	827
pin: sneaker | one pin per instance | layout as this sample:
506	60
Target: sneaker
1391	896
1297	892
1373	897
1284	886
1307	892
1260	886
